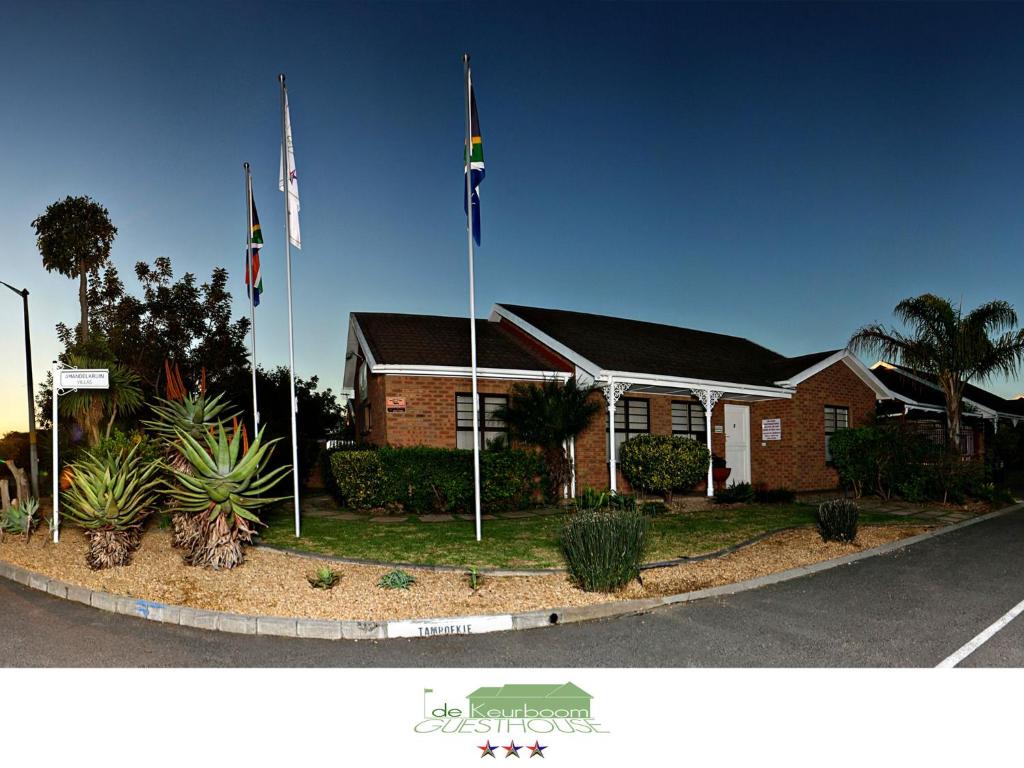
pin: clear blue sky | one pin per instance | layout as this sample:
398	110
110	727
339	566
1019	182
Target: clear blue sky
781	172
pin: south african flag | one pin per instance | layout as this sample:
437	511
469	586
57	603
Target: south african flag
476	162
253	275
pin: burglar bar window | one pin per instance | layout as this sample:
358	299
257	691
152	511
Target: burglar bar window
688	420
632	418
966	441
491	428
837	417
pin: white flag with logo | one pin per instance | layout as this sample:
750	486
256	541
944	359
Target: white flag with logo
288	171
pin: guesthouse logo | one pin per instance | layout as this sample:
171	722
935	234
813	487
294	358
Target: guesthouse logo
515	709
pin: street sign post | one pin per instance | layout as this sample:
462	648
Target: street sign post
67	380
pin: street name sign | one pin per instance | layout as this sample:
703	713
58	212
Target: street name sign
83	378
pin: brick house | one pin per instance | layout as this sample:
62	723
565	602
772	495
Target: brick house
918	400
770	416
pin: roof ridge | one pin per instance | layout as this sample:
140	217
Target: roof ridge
513	307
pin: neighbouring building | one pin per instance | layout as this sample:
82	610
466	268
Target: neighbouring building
769	416
918	400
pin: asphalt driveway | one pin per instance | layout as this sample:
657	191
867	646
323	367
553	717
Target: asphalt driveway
912	608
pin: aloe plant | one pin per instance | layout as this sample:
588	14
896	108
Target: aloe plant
193	415
323	578
109	497
196	416
19	518
223	487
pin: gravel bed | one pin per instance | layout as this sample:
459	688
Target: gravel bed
274	583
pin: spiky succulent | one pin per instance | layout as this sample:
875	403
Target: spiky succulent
223	488
196	416
110	497
193	415
323	578
20	517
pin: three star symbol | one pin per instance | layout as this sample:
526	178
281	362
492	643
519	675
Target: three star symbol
512	750
487	750
537	750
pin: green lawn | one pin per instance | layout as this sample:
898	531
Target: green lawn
529	542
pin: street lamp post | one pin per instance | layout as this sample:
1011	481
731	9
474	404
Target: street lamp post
33	450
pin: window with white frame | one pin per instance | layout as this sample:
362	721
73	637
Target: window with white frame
837	417
491	427
632	418
688	420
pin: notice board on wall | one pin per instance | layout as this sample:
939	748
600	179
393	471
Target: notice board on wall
771	429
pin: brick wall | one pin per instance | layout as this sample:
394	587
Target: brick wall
429	417
796	461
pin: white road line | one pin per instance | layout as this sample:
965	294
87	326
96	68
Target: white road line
981	638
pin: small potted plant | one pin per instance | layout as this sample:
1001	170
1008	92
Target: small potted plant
719	471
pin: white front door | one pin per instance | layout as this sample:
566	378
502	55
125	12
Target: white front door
737	443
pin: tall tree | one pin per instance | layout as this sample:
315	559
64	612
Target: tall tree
954	348
548	415
180	319
74	236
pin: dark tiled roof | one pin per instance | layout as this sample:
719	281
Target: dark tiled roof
396	339
923	393
617	344
789	367
904	385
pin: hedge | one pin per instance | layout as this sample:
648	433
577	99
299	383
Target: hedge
421	480
663	464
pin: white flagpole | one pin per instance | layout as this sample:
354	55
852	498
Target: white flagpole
288	262
251	281
472	295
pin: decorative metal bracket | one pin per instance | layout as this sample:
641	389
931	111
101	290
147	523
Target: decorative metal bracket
612	392
59	366
708	398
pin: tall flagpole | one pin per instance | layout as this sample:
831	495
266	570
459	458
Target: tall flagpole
288	262
250	279
472	294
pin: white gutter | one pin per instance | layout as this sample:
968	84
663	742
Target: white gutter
656	380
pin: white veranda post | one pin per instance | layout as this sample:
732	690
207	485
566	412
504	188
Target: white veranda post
612	392
708	398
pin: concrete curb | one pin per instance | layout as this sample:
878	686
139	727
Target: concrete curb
281	626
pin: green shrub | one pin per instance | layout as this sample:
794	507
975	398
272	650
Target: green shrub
737	493
882	459
424	479
396	579
951	479
604	548
663	463
359	478
592	499
837	520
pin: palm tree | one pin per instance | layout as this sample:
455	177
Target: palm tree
953	347
74	236
90	406
548	415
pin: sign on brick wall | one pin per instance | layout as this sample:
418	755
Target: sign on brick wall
396	404
771	429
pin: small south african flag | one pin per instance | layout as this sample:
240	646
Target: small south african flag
476	162
253	275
